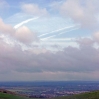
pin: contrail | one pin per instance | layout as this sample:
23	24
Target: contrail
48	37
56	30
26	21
69	31
62	39
58	34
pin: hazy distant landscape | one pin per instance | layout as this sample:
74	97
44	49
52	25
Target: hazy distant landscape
50	89
87	95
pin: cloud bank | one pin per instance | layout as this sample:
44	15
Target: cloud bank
84	12
70	61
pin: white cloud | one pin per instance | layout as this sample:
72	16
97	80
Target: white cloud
34	9
80	11
24	35
96	36
5	28
86	42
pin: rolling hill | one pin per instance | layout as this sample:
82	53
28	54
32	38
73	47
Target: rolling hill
11	96
88	95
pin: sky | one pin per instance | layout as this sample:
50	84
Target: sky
49	40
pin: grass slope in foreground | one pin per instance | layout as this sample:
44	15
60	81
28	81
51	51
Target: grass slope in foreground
10	96
89	95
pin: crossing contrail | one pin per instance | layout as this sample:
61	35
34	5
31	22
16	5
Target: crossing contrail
56	30
59	34
58	39
48	37
69	30
26	21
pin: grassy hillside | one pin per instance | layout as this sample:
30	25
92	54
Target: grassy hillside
11	96
90	95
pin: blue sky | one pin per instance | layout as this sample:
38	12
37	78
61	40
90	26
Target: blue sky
46	24
49	40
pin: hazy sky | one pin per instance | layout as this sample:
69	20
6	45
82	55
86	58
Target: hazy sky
49	40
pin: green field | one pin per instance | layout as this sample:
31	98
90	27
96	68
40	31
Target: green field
89	95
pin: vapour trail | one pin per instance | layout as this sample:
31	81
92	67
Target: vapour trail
62	39
59	34
56	30
48	37
69	31
26	21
